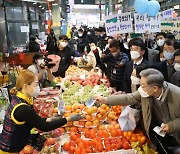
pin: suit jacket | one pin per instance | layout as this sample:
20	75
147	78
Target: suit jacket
171	96
127	75
162	67
153	56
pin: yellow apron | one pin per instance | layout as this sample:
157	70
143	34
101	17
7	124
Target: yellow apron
2	152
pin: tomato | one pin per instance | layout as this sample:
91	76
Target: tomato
50	141
71	150
89	150
126	145
73	137
92	135
119	132
66	146
28	149
35	152
77	151
108	148
81	145
93	143
72	143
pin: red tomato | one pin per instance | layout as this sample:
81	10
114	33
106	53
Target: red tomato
50	141
71	150
28	149
66	146
126	145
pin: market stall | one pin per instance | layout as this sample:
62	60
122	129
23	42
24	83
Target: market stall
99	131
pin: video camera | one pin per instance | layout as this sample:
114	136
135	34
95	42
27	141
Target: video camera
48	63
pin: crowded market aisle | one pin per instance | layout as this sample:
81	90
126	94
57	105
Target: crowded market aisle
107	88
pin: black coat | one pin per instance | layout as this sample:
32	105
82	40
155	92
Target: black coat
162	67
127	74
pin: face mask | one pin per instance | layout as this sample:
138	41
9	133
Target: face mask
177	67
135	80
40	61
89	33
160	42
128	40
142	92
123	37
36	91
162	59
135	55
93	48
80	35
101	35
115	54
63	44
107	46
168	55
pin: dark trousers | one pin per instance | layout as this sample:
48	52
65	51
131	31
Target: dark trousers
164	143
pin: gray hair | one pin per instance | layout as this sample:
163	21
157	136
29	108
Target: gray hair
153	77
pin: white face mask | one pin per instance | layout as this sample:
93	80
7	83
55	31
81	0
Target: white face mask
134	55
160	42
40	61
177	67
162	59
142	92
135	80
93	48
63	44
36	92
80	35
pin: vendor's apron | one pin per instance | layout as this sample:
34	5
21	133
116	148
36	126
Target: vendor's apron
2	152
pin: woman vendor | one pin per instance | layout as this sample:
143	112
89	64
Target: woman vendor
20	117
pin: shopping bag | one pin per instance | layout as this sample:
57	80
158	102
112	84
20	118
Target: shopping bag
129	118
4	102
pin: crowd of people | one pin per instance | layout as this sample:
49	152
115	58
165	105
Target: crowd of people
144	70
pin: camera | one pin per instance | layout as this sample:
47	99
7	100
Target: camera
48	63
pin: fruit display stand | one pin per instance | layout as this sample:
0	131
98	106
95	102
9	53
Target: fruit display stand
99	131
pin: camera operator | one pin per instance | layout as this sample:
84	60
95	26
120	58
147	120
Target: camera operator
41	68
65	53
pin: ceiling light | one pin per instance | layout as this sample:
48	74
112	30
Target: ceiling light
50	0
40	6
55	4
34	3
43	8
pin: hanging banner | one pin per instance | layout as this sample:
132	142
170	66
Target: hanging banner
171	25
118	23
144	22
167	14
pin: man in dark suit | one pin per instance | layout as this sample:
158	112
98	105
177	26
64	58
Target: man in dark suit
137	50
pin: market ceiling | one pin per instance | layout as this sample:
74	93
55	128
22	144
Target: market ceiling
42	1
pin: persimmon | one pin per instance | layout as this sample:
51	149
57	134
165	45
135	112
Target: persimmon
142	140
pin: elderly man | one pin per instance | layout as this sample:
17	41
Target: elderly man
160	104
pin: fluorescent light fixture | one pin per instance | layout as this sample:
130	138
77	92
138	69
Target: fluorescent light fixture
34	3
80	6
43	8
40	6
55	4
